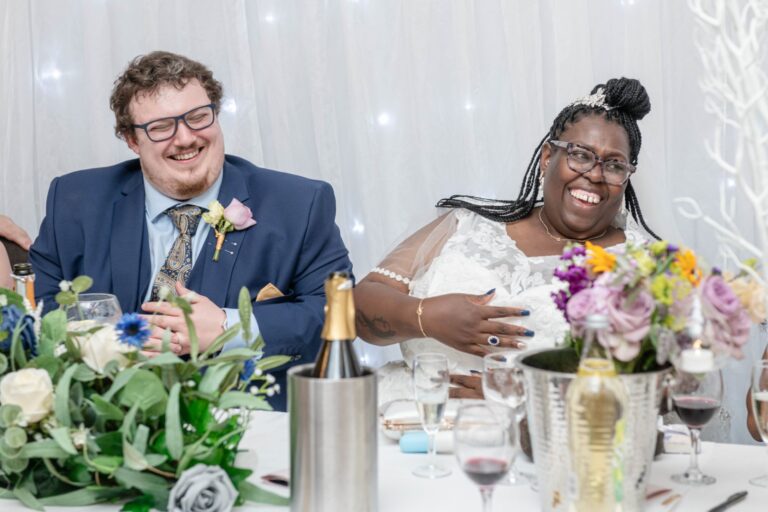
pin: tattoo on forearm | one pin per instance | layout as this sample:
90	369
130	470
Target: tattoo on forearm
377	326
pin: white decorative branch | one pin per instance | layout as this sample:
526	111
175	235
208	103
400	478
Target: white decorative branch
732	44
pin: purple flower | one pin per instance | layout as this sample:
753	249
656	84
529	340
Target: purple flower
672	248
726	323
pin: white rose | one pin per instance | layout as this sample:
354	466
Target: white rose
214	214
31	389
101	346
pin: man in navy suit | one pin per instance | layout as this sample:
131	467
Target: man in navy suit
120	224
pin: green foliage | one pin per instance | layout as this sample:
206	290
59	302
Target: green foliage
128	432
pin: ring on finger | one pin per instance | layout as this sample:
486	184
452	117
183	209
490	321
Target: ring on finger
493	340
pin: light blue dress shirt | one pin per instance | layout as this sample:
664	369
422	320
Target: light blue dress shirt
162	233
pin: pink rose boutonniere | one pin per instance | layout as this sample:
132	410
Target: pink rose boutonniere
236	216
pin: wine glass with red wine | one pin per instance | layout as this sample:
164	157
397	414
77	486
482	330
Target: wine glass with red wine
696	398
484	447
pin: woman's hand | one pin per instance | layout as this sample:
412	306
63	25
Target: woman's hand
466	323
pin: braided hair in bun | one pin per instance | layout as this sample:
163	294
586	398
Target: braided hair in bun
621	100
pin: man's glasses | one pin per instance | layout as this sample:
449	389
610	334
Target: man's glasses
582	160
165	128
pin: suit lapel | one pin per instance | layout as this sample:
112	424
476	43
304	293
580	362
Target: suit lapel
129	250
212	278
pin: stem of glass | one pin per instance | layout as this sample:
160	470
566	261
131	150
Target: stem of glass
431	434
694	473
486	492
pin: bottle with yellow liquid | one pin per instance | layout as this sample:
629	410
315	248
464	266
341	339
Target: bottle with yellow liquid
596	402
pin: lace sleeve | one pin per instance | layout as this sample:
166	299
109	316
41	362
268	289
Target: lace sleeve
413	256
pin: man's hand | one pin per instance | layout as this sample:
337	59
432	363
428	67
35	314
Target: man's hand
207	318
14	233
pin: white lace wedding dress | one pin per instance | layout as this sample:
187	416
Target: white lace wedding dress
477	257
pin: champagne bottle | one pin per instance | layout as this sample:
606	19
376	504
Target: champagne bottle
337	358
596	402
25	281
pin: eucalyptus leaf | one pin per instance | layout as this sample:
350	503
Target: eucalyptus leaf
243	399
26	497
61	397
106	464
213	378
140	438
245	309
64	439
221	340
15	437
43	449
271	362
15	465
256	494
144	482
84	497
53	330
121	380
236	354
164	359
106	410
146	389
9	415
65	298
81	284
133	458
3	363
173	435
84	374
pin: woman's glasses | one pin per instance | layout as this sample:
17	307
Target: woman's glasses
582	160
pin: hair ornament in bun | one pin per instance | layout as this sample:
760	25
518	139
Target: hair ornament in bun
595	100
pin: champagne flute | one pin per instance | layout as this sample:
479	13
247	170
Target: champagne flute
484	447
759	394
696	398
103	308
504	383
430	390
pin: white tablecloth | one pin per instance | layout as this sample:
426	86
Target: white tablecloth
267	444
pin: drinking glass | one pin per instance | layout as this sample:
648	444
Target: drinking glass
696	398
430	391
103	308
760	408
484	447
504	383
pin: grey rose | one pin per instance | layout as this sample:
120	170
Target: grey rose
202	488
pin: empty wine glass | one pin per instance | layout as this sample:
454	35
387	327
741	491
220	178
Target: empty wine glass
430	390
103	308
484	447
504	383
696	398
760	408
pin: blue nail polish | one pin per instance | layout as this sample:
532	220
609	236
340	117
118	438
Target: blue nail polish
490	291
525	312
528	333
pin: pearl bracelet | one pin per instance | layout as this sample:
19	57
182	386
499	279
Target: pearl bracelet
392	275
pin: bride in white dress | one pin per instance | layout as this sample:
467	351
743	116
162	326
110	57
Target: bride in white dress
479	278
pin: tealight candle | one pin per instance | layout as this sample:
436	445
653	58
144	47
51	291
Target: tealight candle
697	360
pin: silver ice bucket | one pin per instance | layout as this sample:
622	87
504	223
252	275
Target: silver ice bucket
547	421
334	442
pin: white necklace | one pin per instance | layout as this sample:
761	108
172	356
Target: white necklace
563	239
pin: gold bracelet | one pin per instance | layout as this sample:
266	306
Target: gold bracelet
419	311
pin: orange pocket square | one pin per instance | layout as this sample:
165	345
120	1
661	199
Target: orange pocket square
269	292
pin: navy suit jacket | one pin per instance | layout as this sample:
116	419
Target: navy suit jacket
95	225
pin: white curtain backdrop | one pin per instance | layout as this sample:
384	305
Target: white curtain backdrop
396	103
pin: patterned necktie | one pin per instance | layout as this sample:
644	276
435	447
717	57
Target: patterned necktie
178	265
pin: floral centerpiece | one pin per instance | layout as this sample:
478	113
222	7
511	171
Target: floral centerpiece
655	296
86	418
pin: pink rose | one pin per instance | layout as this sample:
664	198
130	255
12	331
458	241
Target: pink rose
726	322
630	320
239	215
716	292
586	302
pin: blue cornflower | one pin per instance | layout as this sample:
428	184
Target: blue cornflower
133	330
12	316
248	368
